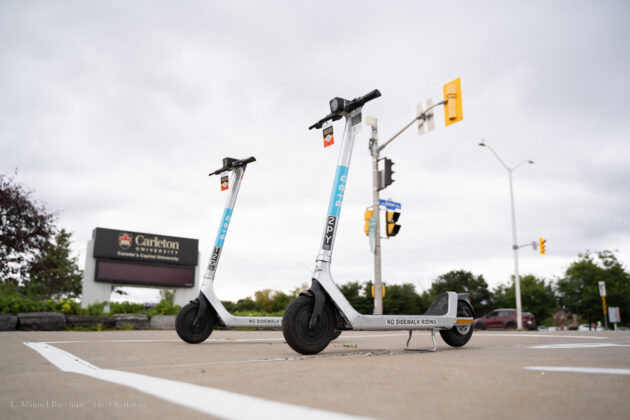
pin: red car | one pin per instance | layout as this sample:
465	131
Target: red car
504	319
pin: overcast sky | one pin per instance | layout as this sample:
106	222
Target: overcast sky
114	112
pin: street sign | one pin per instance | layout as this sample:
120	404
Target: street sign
602	288
391	205
427	123
614	315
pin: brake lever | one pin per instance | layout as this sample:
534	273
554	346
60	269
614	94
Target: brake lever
321	122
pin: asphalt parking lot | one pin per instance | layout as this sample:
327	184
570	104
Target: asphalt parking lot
254	374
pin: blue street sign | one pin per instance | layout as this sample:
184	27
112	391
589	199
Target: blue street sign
391	205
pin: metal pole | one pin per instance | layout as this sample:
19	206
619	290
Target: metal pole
515	247
374	149
605	312
517	280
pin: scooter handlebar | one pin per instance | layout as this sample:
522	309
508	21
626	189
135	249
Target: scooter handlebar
230	164
349	107
358	102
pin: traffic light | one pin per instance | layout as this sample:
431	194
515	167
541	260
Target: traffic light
386	174
392	218
541	245
453	107
367	216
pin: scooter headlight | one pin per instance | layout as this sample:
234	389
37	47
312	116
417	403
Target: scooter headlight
337	105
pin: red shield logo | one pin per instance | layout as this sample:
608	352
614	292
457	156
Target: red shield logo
124	240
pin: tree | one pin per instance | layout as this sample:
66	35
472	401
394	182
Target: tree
360	297
26	227
401	299
246	304
578	290
279	301
462	281
263	299
271	300
536	297
54	273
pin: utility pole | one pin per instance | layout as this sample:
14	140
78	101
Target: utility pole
376	181
452	113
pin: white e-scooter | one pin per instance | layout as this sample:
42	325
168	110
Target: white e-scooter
196	320
310	322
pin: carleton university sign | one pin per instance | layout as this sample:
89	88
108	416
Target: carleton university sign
124	256
136	246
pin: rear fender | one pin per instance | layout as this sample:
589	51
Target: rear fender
465	297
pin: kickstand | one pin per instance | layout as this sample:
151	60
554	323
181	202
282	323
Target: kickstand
427	350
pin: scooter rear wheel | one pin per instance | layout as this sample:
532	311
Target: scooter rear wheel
295	326
194	334
459	334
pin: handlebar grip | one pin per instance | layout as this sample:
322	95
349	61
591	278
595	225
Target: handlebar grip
372	95
246	161
354	104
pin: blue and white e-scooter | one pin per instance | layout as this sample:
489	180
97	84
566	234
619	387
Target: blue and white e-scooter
196	320
312	320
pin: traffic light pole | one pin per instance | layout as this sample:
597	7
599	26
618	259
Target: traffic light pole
376	202
375	151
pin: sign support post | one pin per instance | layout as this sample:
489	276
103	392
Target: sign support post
602	293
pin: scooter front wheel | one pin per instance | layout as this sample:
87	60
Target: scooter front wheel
297	329
459	335
187	330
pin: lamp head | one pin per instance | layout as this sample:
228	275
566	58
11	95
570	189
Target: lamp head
481	143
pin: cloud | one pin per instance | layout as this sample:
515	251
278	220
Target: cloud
116	112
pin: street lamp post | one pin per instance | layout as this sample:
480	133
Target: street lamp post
515	247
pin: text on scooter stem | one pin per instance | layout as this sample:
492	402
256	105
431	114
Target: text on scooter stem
225	223
336	199
331	224
212	265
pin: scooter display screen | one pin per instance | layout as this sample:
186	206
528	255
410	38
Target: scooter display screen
144	274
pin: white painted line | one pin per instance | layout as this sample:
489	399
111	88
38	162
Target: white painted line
222	340
605	371
583	337
226	340
579	346
108	341
212	401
